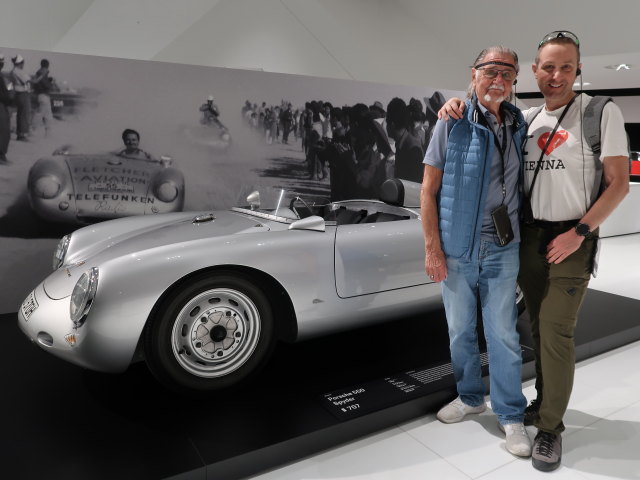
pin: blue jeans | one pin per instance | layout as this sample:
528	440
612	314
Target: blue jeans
491	279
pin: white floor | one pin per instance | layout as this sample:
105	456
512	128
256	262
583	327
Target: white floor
602	440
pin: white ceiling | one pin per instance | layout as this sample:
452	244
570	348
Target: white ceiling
410	42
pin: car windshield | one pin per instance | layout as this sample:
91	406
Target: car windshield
279	203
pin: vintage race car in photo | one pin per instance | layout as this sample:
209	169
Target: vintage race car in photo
68	103
209	135
77	188
204	297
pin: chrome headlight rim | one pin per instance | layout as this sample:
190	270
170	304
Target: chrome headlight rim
167	191
82	297
47	186
61	252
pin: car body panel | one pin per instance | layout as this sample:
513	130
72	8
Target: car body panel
387	264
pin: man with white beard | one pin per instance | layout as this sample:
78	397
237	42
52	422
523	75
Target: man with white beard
469	210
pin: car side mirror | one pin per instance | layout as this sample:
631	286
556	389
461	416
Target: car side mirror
254	199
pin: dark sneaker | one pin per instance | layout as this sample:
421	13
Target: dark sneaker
547	451
531	412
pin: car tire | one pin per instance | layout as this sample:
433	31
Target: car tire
212	334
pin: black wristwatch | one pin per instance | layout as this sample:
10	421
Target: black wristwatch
583	230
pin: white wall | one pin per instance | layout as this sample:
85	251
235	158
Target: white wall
406	42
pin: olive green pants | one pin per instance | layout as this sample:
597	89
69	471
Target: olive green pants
553	294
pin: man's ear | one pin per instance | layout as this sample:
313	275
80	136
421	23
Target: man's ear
534	68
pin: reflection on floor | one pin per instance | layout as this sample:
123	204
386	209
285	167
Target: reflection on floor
603	420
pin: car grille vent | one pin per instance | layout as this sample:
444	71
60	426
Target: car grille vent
209	217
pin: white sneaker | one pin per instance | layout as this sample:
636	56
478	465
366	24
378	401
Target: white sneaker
518	441
455	411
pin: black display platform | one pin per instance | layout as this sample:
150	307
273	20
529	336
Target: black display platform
62	422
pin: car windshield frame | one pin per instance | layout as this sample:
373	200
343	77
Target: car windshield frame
271	203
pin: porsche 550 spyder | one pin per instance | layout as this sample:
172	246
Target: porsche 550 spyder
204	297
81	189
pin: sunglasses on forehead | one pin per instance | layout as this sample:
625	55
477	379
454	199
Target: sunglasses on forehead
560	34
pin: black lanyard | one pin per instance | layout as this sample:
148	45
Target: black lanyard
502	148
553	132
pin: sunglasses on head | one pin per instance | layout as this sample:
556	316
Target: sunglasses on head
560	34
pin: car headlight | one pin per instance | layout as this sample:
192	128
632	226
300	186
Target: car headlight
47	186
166	191
61	251
82	297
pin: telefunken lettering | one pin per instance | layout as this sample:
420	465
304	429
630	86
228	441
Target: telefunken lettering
111	196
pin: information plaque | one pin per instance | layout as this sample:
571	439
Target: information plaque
356	400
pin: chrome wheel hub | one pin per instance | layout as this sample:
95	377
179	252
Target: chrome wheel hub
216	332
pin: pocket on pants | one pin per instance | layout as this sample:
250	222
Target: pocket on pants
563	300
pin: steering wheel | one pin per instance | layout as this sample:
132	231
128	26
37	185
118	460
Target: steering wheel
293	209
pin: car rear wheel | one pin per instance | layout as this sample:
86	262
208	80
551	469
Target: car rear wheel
212	334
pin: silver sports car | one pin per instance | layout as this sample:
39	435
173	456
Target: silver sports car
204	297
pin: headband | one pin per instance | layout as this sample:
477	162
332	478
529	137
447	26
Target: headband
495	62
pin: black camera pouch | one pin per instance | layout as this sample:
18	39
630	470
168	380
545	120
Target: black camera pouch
502	223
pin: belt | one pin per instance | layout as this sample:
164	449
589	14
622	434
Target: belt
566	224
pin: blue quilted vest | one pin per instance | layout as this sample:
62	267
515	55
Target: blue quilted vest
466	176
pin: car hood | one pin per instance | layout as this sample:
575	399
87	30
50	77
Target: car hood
99	243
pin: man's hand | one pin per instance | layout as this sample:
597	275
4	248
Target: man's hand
435	264
454	108
563	245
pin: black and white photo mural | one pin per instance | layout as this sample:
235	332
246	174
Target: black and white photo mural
91	138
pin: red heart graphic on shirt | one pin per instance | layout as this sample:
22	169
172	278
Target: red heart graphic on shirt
558	139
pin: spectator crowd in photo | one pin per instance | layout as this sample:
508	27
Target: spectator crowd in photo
25	101
356	147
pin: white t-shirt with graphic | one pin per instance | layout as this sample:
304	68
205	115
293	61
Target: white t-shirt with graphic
566	178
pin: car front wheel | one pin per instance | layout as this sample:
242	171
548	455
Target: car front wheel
212	334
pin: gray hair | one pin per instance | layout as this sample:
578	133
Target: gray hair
483	54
